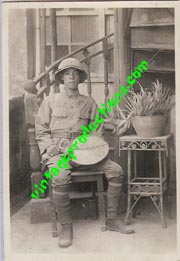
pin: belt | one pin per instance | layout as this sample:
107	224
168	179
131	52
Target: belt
65	134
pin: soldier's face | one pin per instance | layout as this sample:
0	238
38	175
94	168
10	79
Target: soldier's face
71	78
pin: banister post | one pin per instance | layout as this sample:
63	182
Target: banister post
87	62
46	82
55	85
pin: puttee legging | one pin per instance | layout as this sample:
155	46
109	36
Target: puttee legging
112	171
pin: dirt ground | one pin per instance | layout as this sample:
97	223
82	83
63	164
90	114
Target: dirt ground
150	238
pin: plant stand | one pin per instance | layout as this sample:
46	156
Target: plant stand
152	187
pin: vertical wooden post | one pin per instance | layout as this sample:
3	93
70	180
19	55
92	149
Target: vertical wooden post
55	85
120	66
46	82
87	62
54	44
37	41
120	59
30	36
121	47
101	33
116	51
127	39
42	38
89	79
53	35
105	54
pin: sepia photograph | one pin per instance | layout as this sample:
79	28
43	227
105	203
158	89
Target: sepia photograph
89	101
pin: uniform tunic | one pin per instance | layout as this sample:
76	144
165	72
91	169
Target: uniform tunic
67	112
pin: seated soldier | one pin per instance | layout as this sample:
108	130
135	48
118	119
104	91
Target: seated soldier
59	115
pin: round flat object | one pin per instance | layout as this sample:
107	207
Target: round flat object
91	152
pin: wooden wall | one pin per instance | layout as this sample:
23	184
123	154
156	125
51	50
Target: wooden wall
19	154
17	51
139	33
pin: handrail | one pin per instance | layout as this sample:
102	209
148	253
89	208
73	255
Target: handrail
96	54
51	67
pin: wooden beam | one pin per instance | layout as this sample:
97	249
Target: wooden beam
116	51
54	44
42	38
127	24
121	48
88	62
105	56
30	36
53	35
38	42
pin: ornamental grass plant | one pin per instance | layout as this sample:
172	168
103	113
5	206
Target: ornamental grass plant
156	101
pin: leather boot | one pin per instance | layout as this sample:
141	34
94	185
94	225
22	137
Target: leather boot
63	206
113	202
66	236
116	225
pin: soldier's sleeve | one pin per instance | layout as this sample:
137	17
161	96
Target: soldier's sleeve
42	122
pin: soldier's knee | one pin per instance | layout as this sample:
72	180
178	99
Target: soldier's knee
63	178
117	170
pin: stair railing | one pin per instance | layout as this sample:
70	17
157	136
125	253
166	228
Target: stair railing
47	78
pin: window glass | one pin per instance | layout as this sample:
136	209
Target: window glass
76	31
109	20
48	32
63	29
61	51
84	29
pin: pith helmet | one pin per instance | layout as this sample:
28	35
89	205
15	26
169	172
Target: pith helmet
71	63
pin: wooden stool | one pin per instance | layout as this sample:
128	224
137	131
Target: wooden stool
83	176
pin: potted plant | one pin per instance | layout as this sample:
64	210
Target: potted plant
149	109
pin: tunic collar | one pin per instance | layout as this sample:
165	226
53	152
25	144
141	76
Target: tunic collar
70	94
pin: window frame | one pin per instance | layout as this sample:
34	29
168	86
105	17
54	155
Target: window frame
101	13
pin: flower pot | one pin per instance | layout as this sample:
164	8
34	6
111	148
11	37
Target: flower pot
150	126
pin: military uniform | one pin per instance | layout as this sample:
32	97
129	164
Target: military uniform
59	115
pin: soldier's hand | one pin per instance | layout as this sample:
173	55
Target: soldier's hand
53	150
123	127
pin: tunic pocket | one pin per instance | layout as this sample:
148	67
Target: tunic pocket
59	112
84	115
